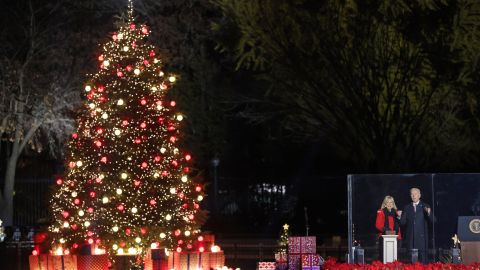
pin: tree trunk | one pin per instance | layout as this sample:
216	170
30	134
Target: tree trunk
9	185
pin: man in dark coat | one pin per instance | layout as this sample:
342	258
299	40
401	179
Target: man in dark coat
415	217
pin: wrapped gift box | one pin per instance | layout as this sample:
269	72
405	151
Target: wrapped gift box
92	262
298	246
311	262
53	262
302	245
266	266
280	257
215	260
195	260
121	262
156	259
39	262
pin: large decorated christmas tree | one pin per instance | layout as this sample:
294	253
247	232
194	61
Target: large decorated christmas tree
128	184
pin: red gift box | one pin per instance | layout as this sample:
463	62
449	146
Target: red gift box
52	262
280	257
194	260
266	266
92	262
311	262
156	259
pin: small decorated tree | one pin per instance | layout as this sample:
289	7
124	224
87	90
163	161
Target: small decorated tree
128	184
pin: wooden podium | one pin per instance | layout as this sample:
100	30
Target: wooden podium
468	231
389	248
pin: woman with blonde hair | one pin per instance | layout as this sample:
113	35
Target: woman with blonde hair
388	220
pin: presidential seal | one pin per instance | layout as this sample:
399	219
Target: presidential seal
474	225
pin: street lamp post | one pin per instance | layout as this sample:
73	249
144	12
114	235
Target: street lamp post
215	163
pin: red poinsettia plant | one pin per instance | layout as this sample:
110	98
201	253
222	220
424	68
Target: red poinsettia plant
332	264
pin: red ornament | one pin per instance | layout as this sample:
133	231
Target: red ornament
157	158
171	128
144	30
132	26
152	53
200	238
119	73
90	95
90	210
98	143
191	217
143	125
143	101
198	188
189	246
76	201
100	57
129	68
99	130
59	181
175	163
137	141
145	62
75	245
180	241
136	183
74	135
66	252
188	157
153	202
201	249
92	194
100	88
196	206
173	139
120	207
134	45
144	165
103	159
164	173
163	86
181	195
143	230
114	37
90	241
128	231
124	122
98	180
160	120
97	241
173	103
102	99
186	169
65	214
177	232
71	164
185	205
74	227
